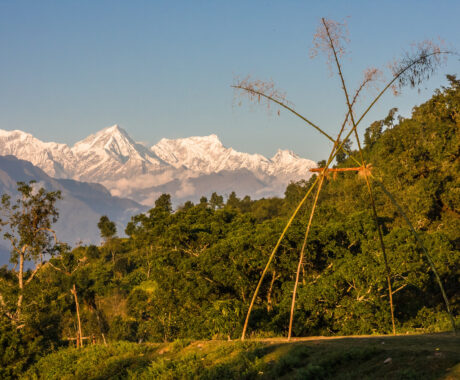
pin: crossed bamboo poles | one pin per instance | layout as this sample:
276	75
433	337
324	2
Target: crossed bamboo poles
339	146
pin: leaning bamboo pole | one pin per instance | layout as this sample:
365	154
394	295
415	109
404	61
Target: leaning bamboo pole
371	195
272	255
422	247
302	252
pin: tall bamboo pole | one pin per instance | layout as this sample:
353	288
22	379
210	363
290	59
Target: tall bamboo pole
371	195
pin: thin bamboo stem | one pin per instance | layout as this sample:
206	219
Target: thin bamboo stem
382	245
285	106
395	78
422	247
302	251
336	170
371	196
272	255
269	293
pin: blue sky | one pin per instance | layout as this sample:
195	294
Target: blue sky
164	68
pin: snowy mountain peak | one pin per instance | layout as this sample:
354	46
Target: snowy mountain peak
203	141
112	139
116	132
200	153
14	134
211	139
287	163
111	153
284	156
56	159
206	154
114	128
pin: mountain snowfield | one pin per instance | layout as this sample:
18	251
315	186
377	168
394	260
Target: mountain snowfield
187	168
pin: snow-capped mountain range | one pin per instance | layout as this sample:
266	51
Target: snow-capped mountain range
186	168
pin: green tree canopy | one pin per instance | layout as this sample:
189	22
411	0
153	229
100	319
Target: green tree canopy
107	228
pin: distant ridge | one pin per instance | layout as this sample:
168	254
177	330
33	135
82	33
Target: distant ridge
81	207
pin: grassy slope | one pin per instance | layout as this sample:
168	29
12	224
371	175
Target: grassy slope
412	357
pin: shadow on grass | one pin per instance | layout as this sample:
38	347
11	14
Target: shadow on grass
400	357
293	361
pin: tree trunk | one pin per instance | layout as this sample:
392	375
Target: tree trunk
77	306
21	286
100	325
148	261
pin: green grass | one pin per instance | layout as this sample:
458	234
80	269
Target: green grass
412	357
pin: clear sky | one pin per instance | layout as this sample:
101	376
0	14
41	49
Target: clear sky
164	68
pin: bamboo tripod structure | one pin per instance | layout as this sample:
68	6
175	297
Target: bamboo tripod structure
331	40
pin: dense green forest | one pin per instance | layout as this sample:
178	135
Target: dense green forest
190	273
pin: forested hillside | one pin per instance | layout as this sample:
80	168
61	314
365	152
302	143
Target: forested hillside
190	273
